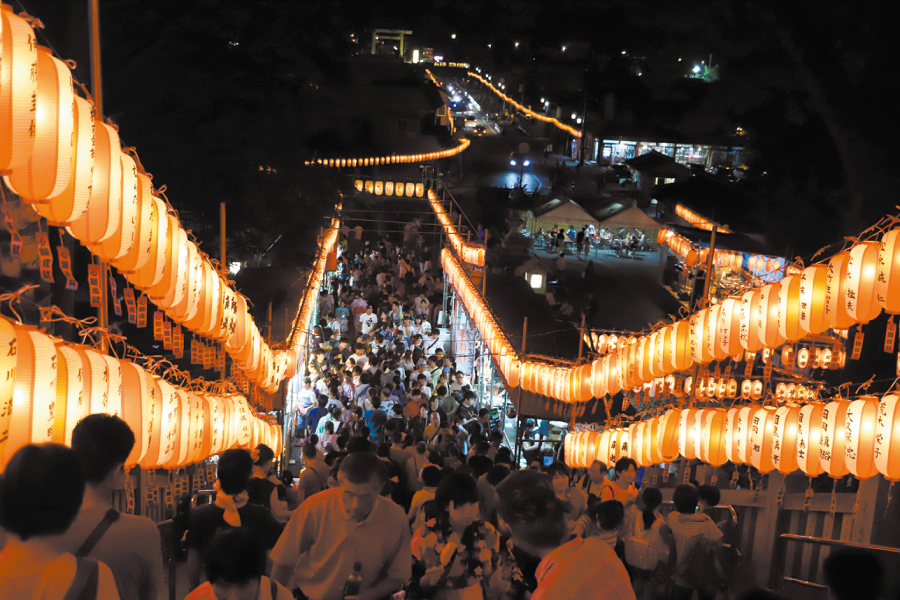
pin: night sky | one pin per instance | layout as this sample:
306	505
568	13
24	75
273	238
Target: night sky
209	90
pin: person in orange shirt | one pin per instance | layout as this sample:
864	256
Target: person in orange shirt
571	567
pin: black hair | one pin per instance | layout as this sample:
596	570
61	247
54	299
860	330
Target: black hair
854	574
482	448
322	400
496	474
398	409
358	444
235	556
435	457
235	467
710	494
329	427
607	515
623	463
685	499
652	498
397	437
458	489
376	403
431	476
383	450
41	491
442	390
309	450
480	464
363	467
558	468
101	442
530	507
265	455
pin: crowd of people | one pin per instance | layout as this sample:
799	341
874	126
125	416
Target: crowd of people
406	490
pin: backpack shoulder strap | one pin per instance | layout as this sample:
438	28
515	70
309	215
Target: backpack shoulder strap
86	582
111	516
274	589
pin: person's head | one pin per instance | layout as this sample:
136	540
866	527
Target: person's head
685	498
397	438
482	447
431	476
456	499
496	474
235	562
435	418
607	515
535	516
376	403
423	411
495	438
102	444
358	444
853	574
263	456
709	496
41	491
329	427
480	464
309	451
322	400
597	471
560	473
361	478
434	457
441	391
626	470
235	467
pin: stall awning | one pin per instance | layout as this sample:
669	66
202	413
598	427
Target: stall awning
736	242
630	218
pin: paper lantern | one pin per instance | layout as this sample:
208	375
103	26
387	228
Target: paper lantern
887	283
34	392
587	448
141	247
834	440
186	308
887	438
410	189
644	357
679	348
784	439
47	171
8	356
598	376
789	309
72	202
101	218
151	272
740	434
420	190
813	305
861	298
137	404
18	89
697	324
859	430
750	314
171	422
803	358
155	416
667	435
762	438
182	266
809	435
601	448
710	333
183	430
113	380
728	327
688	432
568	453
613	378
767	320
174	234
122	239
70	404
712	426
836	293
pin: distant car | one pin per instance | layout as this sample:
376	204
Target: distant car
469	118
480	130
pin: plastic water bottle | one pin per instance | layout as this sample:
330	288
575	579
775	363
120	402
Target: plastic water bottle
354	582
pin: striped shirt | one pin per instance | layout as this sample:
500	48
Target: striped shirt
582	569
687	529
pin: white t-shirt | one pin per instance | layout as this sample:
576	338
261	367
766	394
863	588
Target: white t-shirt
367	322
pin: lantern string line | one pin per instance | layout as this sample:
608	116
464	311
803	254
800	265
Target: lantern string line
15	297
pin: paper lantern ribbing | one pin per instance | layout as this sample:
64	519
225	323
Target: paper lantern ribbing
728	327
836	292
887	438
680	357
667	435
859	434
102	215
834	440
750	312
122	239
713	349
784	439
862	273
762	438
712	437
698	324
767	321
71	406
136	388
34	393
73	201
8	344
789	309
151	272
18	89
887	283
732	437
809	438
813	304
47	171
688	432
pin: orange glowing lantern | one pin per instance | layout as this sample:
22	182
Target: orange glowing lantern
667	435
7	377
762	438
379	188
410	189
859	430
887	283
750	314
388	188
809	437
887	437
18	89
834	439
861	298
728	327
679	346
73	201
142	248
122	240
803	358
789	309
767	322
688	432
101	218
836	292
784	439
711	441
70	405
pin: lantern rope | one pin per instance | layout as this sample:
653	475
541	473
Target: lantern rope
15	297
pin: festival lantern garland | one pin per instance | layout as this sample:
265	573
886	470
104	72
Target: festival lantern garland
527	111
390	160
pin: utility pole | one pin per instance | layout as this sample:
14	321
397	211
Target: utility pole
97	93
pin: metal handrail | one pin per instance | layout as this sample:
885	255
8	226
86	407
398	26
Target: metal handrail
781	548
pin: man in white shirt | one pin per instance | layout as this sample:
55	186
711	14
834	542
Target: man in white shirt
367	321
432	343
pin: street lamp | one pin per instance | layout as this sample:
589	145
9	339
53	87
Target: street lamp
523	164
517	44
574	116
452	36
564	48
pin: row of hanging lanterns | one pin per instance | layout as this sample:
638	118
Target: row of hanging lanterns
50	385
859	437
693	256
306	311
527	111
696	220
72	170
852	288
470	253
390	160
